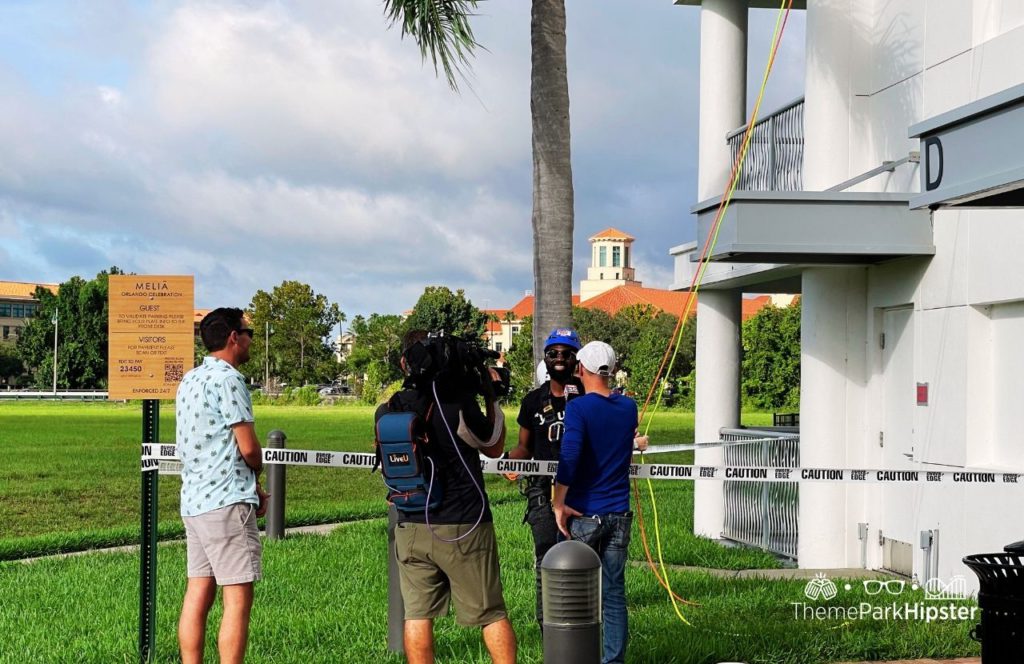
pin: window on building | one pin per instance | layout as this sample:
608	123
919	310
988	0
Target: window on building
603	253
7	331
616	257
497	346
625	262
601	276
616	275
515	329
5	309
18	310
30	310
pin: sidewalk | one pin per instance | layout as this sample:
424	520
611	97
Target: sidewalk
320	529
776	574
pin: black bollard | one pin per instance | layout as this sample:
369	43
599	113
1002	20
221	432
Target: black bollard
275	487
571	589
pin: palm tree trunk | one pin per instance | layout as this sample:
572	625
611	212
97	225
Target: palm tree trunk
552	173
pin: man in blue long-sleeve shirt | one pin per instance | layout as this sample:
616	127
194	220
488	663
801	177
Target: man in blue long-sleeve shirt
591	502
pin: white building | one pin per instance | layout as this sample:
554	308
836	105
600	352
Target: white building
610	263
912	291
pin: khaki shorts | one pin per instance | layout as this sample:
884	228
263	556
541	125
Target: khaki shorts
466	572
224	544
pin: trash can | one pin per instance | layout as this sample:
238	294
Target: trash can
1001	599
571	587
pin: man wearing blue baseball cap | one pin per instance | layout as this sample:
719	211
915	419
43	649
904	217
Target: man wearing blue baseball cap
540	436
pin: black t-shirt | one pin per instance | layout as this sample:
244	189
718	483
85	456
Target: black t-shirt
460	501
544	414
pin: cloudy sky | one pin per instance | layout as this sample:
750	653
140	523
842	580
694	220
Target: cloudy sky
252	142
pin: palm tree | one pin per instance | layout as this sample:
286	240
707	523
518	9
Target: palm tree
441	28
552	173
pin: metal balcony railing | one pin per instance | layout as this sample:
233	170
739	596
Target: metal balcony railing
775	157
763	514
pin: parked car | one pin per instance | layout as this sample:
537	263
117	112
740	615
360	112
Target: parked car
333	390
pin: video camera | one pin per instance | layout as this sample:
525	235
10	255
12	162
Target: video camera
456	363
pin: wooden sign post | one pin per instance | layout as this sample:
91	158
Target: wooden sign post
150	347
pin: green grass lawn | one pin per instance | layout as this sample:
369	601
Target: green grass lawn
70	480
323	599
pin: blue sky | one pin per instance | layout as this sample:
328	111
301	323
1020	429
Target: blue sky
252	142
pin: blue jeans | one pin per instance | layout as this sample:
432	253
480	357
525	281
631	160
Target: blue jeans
608	535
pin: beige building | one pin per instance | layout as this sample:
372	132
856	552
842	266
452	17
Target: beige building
610	263
17	304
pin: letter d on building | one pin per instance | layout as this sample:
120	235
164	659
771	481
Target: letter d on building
931	182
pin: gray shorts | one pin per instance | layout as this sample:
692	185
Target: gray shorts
224	544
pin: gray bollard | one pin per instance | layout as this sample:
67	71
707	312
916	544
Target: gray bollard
275	486
571	589
396	607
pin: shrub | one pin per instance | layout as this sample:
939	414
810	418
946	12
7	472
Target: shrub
292	396
308	395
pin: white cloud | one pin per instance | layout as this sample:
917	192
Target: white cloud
346	95
654	275
252	142
109	96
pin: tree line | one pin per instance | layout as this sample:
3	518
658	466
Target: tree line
293	345
640	335
295	320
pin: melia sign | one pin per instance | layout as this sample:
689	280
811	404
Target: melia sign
151	339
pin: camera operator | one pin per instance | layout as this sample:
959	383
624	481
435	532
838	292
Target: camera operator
541	423
449	552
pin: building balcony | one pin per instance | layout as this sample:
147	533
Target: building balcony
771	220
816	227
775	156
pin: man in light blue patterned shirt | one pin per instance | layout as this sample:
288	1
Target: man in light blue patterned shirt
220	492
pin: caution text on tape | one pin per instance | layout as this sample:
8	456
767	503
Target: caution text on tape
153	454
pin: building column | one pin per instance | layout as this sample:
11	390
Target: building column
718	397
833	114
723	89
832	348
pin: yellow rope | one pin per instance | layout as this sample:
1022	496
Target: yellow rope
776	36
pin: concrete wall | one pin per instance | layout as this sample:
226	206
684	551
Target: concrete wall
873	69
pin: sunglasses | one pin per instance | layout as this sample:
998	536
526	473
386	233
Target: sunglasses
555	354
245	330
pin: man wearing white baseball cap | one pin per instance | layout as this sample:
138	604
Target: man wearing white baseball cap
591	502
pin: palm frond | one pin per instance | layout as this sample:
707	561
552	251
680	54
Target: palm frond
441	29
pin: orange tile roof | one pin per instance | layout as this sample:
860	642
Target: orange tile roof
524	307
614	299
751	305
22	290
611	234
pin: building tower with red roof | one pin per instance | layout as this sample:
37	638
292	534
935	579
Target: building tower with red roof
610	263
